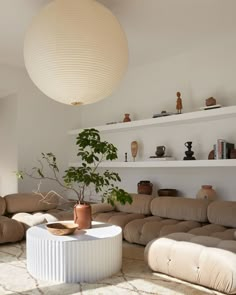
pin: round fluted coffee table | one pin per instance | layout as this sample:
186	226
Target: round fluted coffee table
86	256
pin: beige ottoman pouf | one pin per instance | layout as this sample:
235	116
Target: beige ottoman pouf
10	230
207	261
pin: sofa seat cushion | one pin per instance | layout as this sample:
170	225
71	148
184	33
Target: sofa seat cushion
214	230
144	230
29	220
10	230
2	206
30	202
207	261
116	218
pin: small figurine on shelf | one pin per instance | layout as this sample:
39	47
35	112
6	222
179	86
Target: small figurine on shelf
179	105
126	157
127	118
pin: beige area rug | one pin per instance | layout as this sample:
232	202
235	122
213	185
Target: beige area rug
134	278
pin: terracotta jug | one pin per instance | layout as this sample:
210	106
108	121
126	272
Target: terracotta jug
83	216
206	192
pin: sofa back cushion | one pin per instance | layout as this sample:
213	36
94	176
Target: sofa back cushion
140	205
29	202
222	213
180	208
2	206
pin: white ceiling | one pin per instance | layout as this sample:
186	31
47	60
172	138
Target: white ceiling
156	29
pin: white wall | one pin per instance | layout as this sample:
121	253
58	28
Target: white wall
200	65
198	72
35	124
8	147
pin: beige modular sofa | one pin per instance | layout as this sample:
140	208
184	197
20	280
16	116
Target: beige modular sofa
205	255
191	239
168	214
121	215
20	211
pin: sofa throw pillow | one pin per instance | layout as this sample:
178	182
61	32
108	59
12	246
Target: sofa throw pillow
2	206
222	213
180	208
101	207
29	202
140	205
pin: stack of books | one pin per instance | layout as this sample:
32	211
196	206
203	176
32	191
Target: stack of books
222	149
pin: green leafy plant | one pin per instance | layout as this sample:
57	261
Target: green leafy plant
92	151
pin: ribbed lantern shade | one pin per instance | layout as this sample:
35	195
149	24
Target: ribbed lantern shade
75	51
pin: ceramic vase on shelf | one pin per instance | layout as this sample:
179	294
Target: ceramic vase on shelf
127	118
145	187
83	216
160	151
206	192
134	149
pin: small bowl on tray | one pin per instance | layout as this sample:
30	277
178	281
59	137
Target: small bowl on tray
62	228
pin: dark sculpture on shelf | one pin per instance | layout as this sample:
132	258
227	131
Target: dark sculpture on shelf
189	153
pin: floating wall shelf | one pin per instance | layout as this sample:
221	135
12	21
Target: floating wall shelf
165	164
191	117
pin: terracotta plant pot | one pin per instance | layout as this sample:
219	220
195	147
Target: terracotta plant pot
83	216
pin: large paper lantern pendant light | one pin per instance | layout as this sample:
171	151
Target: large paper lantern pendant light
75	51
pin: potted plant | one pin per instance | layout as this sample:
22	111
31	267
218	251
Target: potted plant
92	152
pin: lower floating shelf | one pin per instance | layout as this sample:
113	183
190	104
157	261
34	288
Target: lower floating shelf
165	164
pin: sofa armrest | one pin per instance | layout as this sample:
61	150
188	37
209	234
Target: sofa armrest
101	207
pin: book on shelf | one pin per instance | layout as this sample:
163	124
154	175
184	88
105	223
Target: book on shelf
222	149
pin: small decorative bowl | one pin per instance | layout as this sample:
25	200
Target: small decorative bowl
62	228
167	192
